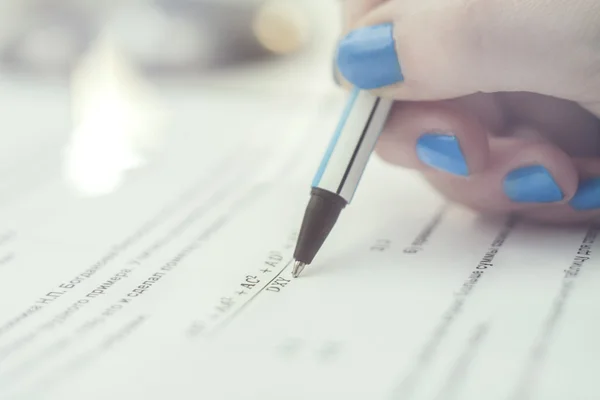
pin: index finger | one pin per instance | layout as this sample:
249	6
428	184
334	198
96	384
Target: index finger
354	10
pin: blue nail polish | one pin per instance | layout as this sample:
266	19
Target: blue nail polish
532	184
587	196
367	57
442	152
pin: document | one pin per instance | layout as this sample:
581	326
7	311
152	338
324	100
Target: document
176	283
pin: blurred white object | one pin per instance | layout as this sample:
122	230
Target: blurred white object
117	117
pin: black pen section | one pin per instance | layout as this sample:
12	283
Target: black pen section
322	212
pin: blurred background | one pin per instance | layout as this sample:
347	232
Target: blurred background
75	70
164	38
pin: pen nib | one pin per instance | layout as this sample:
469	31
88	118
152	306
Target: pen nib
298	268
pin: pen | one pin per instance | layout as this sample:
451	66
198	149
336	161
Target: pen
340	171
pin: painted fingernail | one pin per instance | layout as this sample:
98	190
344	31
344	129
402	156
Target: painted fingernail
532	184
442	152
367	57
587	196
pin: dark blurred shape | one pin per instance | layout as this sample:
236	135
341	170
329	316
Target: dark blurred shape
162	37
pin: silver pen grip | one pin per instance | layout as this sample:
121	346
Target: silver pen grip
352	144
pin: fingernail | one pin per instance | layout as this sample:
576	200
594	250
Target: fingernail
587	196
532	184
367	57
442	152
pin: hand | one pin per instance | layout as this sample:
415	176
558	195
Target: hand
497	100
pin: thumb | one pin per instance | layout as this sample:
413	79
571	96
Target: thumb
432	49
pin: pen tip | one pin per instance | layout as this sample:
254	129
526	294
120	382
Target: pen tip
298	268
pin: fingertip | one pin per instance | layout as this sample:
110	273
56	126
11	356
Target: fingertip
587	196
537	172
355	10
366	57
435	137
532	183
442	151
522	176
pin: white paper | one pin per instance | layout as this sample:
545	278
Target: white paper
177	285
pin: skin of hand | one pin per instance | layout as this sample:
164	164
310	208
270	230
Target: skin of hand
497	101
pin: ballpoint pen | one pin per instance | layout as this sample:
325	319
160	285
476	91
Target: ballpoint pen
340	171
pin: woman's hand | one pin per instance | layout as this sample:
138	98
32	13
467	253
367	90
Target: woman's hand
497	99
